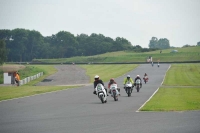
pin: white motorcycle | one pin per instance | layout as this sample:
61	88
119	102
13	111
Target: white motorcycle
138	86
128	88
114	91
101	93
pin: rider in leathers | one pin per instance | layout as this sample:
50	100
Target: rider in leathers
96	81
138	77
128	78
112	81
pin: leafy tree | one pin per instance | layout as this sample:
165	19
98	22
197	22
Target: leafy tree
198	43
34	46
163	43
5	35
153	42
82	40
2	52
66	42
18	44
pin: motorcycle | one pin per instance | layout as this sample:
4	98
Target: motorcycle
114	91
158	65
101	93
138	85
145	79
128	88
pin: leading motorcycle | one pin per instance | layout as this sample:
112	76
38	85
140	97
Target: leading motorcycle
101	93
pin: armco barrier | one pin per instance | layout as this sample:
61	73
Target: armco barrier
28	79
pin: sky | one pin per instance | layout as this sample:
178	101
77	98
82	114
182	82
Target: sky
135	20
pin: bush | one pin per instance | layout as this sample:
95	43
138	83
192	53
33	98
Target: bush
1	77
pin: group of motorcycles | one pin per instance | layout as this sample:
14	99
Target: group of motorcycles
102	95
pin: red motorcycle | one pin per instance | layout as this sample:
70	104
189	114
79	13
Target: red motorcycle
146	79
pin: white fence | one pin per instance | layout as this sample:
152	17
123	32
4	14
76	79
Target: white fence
28	79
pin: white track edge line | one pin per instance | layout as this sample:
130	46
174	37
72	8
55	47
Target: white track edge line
154	92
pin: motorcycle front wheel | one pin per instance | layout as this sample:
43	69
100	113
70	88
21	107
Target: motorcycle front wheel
129	92
138	88
101	98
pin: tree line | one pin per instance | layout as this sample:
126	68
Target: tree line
21	45
24	45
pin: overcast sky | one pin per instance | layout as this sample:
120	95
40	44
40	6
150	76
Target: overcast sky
136	20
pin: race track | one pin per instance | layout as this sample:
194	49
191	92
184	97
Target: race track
79	111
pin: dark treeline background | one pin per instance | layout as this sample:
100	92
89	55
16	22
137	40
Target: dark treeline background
24	45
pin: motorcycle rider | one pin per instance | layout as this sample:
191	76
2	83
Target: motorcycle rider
138	77
128	78
152	63
145	77
112	81
96	81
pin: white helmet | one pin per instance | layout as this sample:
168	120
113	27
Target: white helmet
128	76
138	75
96	77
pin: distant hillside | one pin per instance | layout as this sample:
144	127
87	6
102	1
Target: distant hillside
183	54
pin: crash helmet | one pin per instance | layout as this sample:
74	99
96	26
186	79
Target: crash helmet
112	80
128	76
96	77
138	75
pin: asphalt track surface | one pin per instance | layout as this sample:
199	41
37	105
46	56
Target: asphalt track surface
79	111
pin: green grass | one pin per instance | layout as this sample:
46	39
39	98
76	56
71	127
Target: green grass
174	99
46	69
10	92
180	91
183	54
107	71
183	75
29	71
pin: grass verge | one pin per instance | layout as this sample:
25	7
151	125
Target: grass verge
180	90
46	69
183	75
174	99
10	92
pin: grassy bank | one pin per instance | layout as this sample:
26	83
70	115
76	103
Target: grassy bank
180	91
183	54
